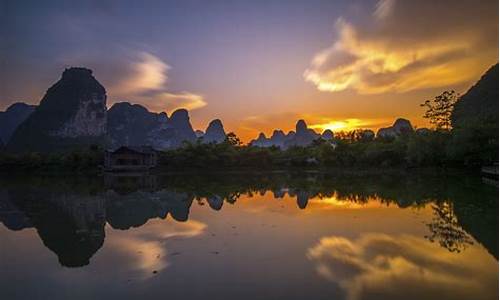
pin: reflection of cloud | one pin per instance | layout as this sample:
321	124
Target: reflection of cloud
146	83
403	267
144	245
409	45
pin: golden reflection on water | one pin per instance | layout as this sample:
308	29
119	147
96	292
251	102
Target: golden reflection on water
290	202
332	244
143	246
402	266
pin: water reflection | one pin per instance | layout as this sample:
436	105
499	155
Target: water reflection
332	219
144	251
70	215
399	267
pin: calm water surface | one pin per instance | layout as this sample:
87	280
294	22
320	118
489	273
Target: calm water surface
249	236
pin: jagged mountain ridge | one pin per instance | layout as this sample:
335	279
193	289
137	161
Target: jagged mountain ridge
302	136
73	114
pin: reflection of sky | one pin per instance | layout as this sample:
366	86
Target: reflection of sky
402	266
259	247
143	247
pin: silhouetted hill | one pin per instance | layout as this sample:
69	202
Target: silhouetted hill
131	124
480	103
71	114
302	136
475	122
401	126
12	117
215	132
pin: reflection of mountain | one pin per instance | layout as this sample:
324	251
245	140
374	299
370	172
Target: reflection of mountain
70	225
135	209
70	214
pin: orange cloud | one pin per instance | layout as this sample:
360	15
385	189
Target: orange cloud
398	52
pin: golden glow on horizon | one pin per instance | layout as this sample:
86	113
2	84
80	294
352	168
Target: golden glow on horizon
344	125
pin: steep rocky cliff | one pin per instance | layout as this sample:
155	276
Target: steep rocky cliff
72	114
215	132
132	124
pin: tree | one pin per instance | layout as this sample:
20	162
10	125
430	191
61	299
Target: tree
232	139
440	108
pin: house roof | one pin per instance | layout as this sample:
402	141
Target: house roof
136	149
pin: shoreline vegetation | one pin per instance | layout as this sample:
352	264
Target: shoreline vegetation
432	149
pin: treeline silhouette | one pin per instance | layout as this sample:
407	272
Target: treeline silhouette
432	149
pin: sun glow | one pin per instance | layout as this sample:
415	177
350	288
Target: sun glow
340	125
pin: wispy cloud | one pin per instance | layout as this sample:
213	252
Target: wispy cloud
384	8
409	45
146	83
185	100
148	73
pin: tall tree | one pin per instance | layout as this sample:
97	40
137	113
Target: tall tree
440	108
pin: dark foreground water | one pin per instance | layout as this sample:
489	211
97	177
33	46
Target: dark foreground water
249	236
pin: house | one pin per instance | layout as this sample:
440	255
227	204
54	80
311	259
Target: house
127	158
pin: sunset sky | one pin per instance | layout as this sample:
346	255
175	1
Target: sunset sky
257	65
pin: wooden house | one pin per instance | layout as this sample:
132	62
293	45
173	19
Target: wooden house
128	158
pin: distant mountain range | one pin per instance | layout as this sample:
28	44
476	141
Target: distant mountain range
73	113
302	136
12	118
